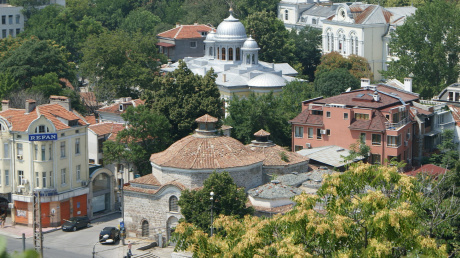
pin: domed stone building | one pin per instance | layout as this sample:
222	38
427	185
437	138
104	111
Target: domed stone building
235	59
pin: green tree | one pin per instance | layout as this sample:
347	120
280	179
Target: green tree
148	132
112	12
140	20
371	211
428	46
448	155
200	11
47	84
272	37
307	42
183	97
244	8
33	57
7	84
228	200
356	65
292	96
121	62
334	82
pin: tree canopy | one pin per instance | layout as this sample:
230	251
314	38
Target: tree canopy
427	46
228	200
356	65
183	97
334	82
368	211
306	50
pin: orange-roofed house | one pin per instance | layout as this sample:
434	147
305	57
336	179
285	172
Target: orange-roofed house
44	150
183	40
112	112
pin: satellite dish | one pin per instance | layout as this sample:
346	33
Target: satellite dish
348	90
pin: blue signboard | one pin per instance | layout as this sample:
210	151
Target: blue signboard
122	224
43	137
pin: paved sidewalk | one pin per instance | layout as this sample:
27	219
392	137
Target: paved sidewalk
16	231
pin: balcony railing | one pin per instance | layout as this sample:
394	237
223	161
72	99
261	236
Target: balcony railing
396	126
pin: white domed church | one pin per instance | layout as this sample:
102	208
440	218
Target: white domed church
235	59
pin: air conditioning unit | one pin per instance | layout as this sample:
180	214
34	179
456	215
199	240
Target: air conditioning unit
19	157
84	183
406	143
323	131
308	145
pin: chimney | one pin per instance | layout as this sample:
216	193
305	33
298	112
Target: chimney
408	84
376	96
5	104
224	77
196	23
61	100
177	25
365	82
30	105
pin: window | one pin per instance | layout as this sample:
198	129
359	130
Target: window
6	151
18	19
298	147
193	44
223	53
62	134
18	31
21	177
313	21
299	132
408	135
42	129
362	137
63	176
393	141
145	228
51	179
100	144
77	131
11	32
237	54
361	116
51	151
77	146
230	54
7	177
78	172
173	204
37	179
10	19
286	15
62	149
3	19
318	133
375	158
310	133
3	33
43	153
218	53
44	179
328	132
328	114
345	116
36	151
376	139
19	149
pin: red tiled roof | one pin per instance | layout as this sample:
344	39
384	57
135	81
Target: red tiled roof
164	44
361	17
306	118
352	99
91	119
89	98
404	95
272	155
375	123
67	83
206	119
115	107
193	152
186	32
429	169
262	132
106	128
20	121
150	180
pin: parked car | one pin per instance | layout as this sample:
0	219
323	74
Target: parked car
75	223
109	235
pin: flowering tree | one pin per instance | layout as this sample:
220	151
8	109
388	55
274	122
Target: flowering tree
369	211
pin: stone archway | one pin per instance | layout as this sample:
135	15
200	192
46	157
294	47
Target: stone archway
102	196
170	226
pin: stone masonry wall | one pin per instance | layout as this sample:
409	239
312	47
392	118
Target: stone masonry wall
269	171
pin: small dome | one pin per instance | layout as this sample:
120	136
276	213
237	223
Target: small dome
231	28
267	80
211	36
250	44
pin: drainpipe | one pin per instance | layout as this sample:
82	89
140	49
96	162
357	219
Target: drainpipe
13	174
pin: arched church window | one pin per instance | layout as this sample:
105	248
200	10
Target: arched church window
218	54
237	54
230	54
173	204
341	42
286	15
253	59
145	228
223	54
353	43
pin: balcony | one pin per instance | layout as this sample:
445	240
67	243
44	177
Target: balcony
397	126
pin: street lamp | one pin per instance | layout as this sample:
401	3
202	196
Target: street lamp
212	206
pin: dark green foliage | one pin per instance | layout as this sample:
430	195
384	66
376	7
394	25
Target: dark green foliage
33	57
229	200
140	20
335	82
448	153
204	11
148	132
306	50
356	65
7	84
244	8
272	37
428	47
125	63
183	97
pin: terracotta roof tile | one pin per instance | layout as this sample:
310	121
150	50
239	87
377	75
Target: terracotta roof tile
306	118
361	17
186	32
262	132
280	209
429	169
91	119
273	157
404	95
149	179
353	98
67	83
89	98
115	107
206	119
106	128
376	123
193	152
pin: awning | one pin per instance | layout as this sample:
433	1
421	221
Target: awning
432	133
163	44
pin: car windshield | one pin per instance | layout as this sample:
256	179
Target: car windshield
72	220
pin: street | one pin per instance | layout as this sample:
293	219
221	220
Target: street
60	244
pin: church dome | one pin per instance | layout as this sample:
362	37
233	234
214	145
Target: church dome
267	80
231	28
250	44
211	36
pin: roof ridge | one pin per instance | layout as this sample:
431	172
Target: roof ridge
178	31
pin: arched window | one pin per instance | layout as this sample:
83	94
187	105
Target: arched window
237	54
353	43
253	59
313	21
223	54
341	42
248	59
218	53
42	129
210	51
286	15
230	54
173	204
329	40
145	228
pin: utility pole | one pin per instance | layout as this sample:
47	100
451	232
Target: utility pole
37	224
